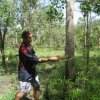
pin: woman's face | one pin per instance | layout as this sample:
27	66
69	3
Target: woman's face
30	37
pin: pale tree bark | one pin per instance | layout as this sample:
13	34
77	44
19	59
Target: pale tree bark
88	42
99	42
0	38
70	72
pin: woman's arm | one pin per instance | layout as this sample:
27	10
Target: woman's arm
41	60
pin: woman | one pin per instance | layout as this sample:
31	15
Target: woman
27	73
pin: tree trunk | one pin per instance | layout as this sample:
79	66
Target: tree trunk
2	38
3	47
22	21
69	49
99	42
3	54
87	43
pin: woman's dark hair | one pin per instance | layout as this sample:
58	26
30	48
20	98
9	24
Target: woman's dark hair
25	34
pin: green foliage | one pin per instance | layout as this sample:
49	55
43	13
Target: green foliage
45	33
89	6
6	11
53	84
75	93
54	11
49	52
79	31
9	94
86	87
96	6
86	7
52	34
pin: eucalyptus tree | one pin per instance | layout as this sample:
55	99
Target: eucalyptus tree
88	6
26	11
48	32
69	49
34	17
69	45
5	19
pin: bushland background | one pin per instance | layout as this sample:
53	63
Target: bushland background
52	37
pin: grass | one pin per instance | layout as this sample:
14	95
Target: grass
9	94
11	69
51	71
46	52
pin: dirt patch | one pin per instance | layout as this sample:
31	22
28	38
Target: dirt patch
4	84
